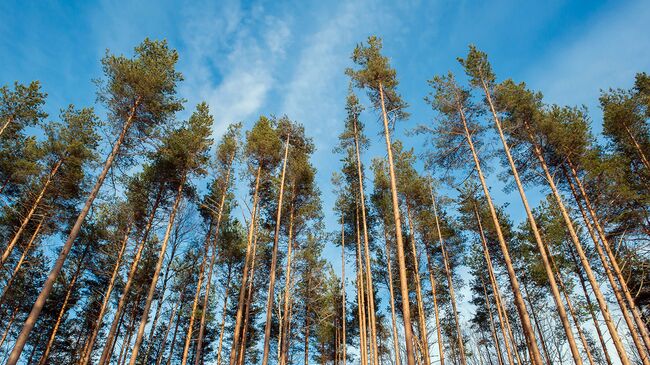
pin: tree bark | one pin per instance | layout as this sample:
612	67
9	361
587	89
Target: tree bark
30	213
618	344
274	260
242	289
65	250
497	347
542	340
416	262
540	244
343	300
8	328
156	274
361	304
284	334
406	309
223	315
249	302
197	296
88	348
105	357
637	146
161	350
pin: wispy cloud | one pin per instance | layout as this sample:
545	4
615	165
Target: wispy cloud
231	55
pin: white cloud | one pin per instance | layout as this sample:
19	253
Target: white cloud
231	56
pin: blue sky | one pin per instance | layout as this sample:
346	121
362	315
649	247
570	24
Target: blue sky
271	57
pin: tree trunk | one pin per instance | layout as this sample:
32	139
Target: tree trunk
361	304
223	315
65	250
547	355
30	213
495	289
5	125
59	318
610	254
536	357
173	343
206	297
274	260
49	283
434	295
110	338
197	296
124	350
111	343
14	273
343	300
406	308
161	350
492	329
8	328
450	283
161	300
88	348
307	333
369	284
637	146
249	302
618	344
422	319
242	289
286	320
156	274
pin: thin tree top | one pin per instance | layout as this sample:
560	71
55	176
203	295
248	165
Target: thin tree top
21	106
375	73
478	68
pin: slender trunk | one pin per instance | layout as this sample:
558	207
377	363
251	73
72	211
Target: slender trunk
495	289
576	321
637	146
223	315
590	306
610	254
30	213
110	344
11	322
197	296
536	357
156	273
242	289
416	268
406	308
361	304
161	350
369	284
611	326
88	347
6	124
110	338
392	300
206	297
274	259
343	300
540	244
285	323
67	246
59	318
173	343
124	350
161	300
492	329
450	283
249	302
14	273
307	333
542	340
434	296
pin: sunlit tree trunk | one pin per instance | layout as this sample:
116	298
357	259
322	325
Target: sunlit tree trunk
88	347
197	296
637	146
206	297
361	304
20	262
274	259
536	357
67	246
344	315
152	288
422	319
495	289
223	315
172	345
497	346
110	338
610	254
542	340
398	359
9	324
406	308
450	283
249	302
172	316
30	213
287	288
613	331
234	350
